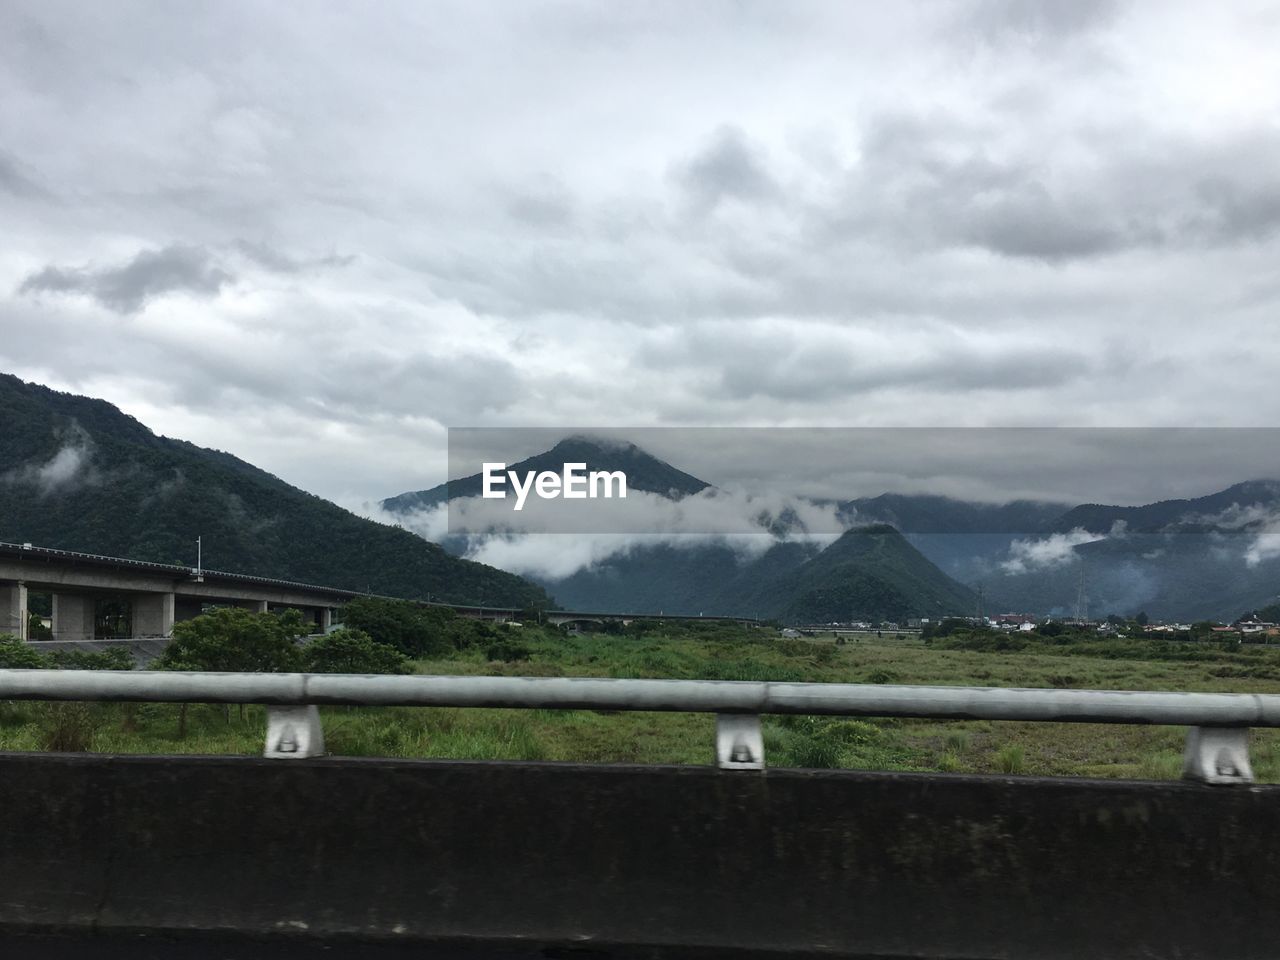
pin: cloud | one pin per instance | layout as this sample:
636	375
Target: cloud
269	258
581	537
69	468
15	180
1265	546
127	288
979	213
1260	522
1054	550
728	168
1040	19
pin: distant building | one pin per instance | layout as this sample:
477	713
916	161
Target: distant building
1011	621
1254	626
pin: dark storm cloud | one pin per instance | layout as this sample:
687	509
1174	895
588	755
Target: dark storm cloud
128	287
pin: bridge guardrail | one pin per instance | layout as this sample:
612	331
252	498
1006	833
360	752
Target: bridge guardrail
1216	747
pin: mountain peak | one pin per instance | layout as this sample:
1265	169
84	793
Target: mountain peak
645	472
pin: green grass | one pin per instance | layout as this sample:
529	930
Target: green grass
1093	750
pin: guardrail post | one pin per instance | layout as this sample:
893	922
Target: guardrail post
294	733
739	742
1217	755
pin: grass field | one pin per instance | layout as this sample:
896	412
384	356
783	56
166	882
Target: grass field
725	654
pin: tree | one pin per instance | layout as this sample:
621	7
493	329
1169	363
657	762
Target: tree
232	639
352	651
411	628
16	654
36	630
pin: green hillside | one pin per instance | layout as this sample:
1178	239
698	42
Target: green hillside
79	474
871	573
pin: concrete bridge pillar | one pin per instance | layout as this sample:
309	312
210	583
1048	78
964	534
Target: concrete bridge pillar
153	614
326	619
14	616
257	606
72	616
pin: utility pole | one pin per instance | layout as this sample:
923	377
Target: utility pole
199	559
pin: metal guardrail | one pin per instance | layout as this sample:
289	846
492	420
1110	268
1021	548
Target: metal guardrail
1217	743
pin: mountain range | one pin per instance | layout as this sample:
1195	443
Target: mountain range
79	474
918	554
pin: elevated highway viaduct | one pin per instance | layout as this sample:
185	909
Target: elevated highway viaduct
158	595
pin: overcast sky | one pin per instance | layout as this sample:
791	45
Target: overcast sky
316	234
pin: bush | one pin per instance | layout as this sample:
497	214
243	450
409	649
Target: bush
233	639
352	651
414	630
113	658
508	651
67	727
14	654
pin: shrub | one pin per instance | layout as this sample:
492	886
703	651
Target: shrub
411	628
14	654
233	639
67	727
113	658
508	651
352	651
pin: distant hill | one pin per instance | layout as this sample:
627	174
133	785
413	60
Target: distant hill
79	474
871	573
644	473
1200	512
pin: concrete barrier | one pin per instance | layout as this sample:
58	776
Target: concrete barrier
558	859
